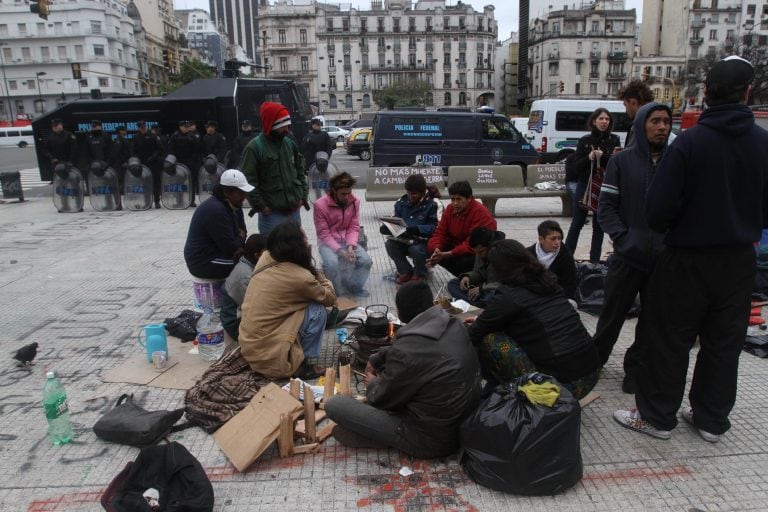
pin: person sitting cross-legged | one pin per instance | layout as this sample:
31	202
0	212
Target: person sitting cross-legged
419	388
419	212
479	284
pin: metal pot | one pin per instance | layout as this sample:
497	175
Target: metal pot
376	322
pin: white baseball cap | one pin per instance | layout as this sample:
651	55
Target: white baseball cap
235	178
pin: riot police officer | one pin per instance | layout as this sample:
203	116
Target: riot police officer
147	148
61	145
184	144
242	140
121	152
214	143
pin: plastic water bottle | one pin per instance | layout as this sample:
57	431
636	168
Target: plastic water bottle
56	408
210	336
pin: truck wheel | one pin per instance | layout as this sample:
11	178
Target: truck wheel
22	144
365	154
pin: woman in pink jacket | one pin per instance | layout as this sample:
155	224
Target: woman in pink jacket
337	223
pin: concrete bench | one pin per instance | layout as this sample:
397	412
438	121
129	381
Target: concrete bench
388	183
493	182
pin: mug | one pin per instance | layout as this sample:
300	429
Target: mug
160	359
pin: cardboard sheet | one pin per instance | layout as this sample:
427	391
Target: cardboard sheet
183	370
252	430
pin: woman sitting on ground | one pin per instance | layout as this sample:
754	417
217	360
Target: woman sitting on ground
233	292
555	256
530	326
478	285
284	307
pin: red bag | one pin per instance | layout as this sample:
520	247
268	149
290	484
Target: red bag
592	194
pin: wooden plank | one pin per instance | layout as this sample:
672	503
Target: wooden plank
588	399
326	431
309	414
320	415
295	389
330	383
285	436
305	448
344	380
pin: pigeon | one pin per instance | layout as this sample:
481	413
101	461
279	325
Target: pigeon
26	354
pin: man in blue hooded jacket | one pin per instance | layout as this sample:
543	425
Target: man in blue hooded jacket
635	247
710	199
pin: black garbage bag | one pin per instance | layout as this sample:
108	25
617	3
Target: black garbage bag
176	475
512	445
757	345
183	326
590	292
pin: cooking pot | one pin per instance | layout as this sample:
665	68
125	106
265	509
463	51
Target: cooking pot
376	321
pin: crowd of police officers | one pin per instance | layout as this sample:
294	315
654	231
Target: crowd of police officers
149	145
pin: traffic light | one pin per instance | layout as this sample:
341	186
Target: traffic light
76	72
562	86
39	7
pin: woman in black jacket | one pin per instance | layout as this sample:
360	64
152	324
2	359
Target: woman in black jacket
592	151
530	326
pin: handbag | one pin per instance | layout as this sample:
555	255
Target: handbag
127	423
592	194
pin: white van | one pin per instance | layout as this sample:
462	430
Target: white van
555	126
20	136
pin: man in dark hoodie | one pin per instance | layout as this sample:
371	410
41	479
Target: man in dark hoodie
635	247
419	388
710	198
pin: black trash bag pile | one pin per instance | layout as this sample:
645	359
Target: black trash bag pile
183	326
512	445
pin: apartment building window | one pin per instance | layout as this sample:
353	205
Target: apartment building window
347	61
397	60
382	59
365	61
365	86
479	63
22	28
332	101
58	28
381	43
366	99
332	81
83	83
303	36
119	55
714	18
3	30
412	60
13	85
411	24
283	64
395	24
480	24
348	101
98	50
41	29
281	36
595	27
594	69
103	82
446	80
331	61
45	53
668	72
446	23
554	68
462	23
380	24
363	25
447	98
305	63
751	10
556	28
95	27
579	47
412	43
380	81
713	35
428	23
730	36
577	89
578	67
593	89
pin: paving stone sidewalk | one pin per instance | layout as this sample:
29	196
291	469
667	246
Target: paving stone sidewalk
82	285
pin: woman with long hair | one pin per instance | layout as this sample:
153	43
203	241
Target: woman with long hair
591	156
530	326
284	307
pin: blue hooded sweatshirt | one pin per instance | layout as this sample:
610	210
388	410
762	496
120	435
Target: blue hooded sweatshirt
711	189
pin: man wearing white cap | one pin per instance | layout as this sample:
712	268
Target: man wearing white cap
274	166
710	199
217	230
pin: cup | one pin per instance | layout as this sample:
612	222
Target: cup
160	359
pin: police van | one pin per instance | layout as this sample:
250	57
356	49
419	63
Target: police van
555	126
443	139
20	136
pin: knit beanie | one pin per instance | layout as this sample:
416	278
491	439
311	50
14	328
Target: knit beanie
273	116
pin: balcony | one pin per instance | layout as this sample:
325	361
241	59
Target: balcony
462	46
594	55
429	47
697	24
615	75
594	75
553	56
696	41
617	55
446	46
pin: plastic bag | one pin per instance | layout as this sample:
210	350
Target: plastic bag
590	292
183	326
511	445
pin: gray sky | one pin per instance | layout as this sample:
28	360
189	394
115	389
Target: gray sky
506	12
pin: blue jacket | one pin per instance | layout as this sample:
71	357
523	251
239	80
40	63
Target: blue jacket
423	214
711	189
213	235
621	210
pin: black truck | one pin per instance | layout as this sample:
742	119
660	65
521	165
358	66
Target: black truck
225	100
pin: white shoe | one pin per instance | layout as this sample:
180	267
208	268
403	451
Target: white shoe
687	414
631	419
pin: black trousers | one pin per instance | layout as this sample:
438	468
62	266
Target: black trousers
622	284
704	293
458	265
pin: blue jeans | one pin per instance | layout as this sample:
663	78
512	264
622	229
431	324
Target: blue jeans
399	253
576	191
268	222
311	330
345	275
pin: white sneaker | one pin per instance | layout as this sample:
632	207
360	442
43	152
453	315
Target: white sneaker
631	419
687	414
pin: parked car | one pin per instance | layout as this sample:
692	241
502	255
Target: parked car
358	123
359	143
338	134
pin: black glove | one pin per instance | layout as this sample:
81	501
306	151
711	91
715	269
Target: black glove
384	230
306	204
413	230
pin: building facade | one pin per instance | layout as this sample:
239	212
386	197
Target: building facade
583	53
506	84
451	47
203	39
162	41
239	19
83	46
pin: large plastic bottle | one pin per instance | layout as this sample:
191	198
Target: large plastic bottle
210	335
56	408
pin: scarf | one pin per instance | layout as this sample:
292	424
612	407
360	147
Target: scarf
544	257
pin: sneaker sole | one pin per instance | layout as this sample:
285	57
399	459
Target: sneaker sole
665	436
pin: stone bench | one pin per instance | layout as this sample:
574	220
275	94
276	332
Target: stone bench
388	183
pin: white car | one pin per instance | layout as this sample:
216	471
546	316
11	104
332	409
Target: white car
336	133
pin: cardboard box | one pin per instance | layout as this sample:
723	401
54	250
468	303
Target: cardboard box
252	430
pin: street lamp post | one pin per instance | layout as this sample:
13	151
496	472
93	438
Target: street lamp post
39	92
5	86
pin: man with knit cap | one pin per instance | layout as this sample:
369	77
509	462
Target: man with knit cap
709	198
274	166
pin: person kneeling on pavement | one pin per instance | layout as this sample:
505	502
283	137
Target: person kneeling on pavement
217	230
479	284
284	307
233	292
419	389
419	212
529	326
